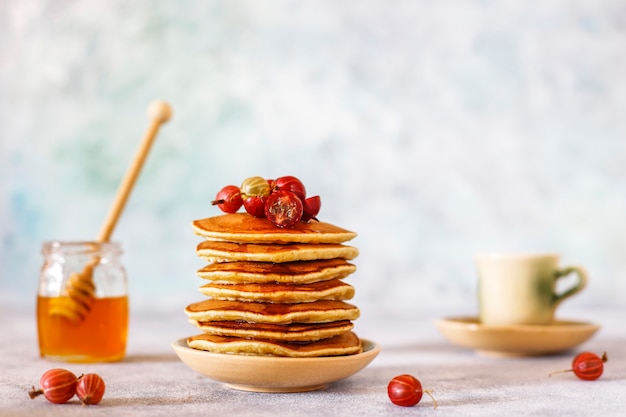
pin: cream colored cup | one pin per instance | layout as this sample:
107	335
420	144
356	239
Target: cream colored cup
517	288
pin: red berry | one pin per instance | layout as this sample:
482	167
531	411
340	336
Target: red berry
290	183
255	206
57	385
283	208
406	391
311	206
90	389
587	366
228	199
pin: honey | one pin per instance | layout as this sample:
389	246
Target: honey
100	337
75	325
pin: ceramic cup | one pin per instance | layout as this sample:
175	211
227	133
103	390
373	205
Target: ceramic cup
516	288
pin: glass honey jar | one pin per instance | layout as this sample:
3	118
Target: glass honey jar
82	302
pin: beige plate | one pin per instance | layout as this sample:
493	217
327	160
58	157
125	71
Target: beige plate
274	374
515	340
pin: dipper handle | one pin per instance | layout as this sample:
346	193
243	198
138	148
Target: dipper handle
159	112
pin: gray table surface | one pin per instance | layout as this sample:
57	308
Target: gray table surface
153	382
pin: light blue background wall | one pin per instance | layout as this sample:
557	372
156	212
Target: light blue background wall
434	129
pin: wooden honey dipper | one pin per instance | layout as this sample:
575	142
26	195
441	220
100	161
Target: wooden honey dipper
79	291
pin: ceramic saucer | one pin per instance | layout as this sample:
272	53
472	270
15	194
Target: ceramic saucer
515	340
274	374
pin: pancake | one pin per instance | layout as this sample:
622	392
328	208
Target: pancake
333	289
244	228
315	312
297	332
298	272
344	344
213	251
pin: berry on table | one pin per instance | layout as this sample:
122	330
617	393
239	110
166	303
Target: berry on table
57	385
90	389
587	366
406	390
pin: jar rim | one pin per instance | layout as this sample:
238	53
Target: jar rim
87	245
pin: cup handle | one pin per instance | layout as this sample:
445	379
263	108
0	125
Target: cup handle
580	272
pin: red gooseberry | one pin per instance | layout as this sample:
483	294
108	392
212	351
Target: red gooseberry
283	208
311	206
255	206
587	366
290	183
228	199
406	390
57	385
90	389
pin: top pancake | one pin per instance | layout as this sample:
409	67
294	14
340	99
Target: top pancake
244	228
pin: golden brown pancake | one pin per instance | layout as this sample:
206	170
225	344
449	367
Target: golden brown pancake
296	332
333	289
244	228
344	344
214	251
298	272
314	312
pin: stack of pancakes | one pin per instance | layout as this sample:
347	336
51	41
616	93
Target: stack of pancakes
274	291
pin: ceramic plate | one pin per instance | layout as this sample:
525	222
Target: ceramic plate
516	340
274	374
